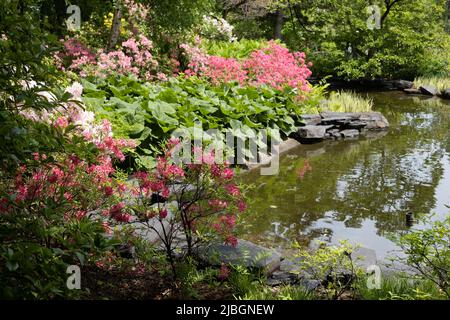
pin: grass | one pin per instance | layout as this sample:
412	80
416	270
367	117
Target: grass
400	288
278	293
441	83
341	101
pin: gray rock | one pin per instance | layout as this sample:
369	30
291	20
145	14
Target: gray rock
245	253
358	124
329	116
403	84
309	284
350	133
281	277
429	90
312	132
333	120
291	265
288	145
311	119
375	120
446	94
412	91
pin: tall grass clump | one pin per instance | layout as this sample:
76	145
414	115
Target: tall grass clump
341	101
441	83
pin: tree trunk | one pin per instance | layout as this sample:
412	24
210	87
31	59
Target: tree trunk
279	19
115	29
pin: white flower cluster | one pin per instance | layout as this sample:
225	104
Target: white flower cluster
217	29
74	112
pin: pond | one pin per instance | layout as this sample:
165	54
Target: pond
362	189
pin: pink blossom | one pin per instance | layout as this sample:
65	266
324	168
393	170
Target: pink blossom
224	272
241	206
80	214
231	240
233	190
109	191
163	213
61	122
68	196
227	174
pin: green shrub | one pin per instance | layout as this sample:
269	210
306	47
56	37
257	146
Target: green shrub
428	253
150	112
237	49
333	266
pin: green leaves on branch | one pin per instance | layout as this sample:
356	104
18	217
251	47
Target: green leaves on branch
150	112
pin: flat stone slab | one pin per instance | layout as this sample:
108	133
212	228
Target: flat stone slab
245	254
265	159
429	90
312	132
311	119
350	133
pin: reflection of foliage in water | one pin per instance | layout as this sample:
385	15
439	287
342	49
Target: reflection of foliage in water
380	179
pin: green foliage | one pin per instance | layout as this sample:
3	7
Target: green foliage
150	112
333	265
33	265
24	52
428	253
171	20
237	49
399	287
411	39
279	293
249	285
242	281
441	83
342	101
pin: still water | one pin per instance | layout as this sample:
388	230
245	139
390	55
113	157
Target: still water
360	190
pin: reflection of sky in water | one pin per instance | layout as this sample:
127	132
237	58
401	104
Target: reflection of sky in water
359	190
366	234
442	193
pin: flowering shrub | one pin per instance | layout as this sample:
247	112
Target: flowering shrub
277	67
75	56
205	201
134	57
55	206
217	29
272	65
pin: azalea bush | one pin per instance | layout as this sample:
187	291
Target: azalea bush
200	202
58	196
272	65
133	57
47	218
216	29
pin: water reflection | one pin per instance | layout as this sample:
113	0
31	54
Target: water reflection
362	189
